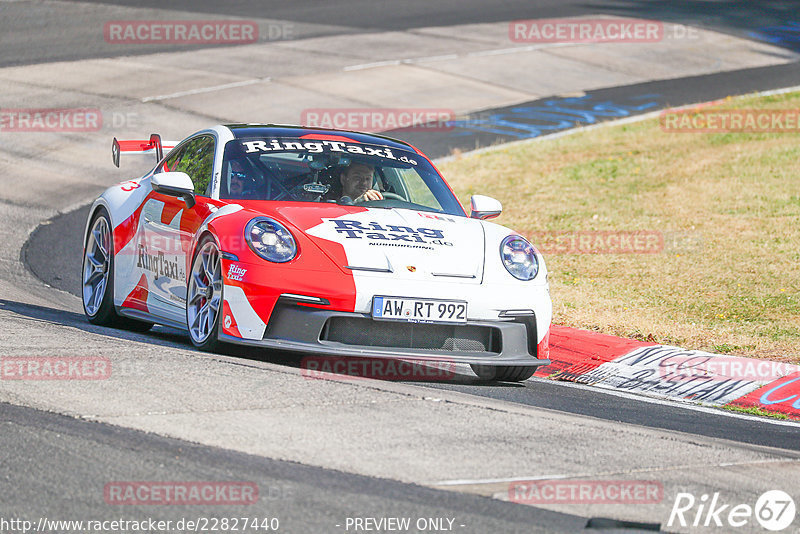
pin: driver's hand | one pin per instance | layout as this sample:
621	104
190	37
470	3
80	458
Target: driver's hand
371	194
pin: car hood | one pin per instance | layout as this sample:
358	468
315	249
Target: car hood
398	243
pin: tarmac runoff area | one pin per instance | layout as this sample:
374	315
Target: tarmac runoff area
397	431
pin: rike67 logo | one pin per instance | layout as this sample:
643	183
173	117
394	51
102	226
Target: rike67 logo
774	510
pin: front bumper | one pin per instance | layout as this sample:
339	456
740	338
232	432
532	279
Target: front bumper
305	329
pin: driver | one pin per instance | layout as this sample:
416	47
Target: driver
237	185
241	186
356	182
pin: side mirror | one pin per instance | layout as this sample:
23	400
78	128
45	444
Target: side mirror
485	207
175	184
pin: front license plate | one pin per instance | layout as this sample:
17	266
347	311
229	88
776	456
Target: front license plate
419	310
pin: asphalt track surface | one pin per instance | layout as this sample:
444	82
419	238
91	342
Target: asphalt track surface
31	33
315	498
299	496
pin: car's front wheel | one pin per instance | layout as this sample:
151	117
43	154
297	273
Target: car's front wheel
204	296
503	373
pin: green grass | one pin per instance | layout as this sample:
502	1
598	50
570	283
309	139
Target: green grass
756	411
726	204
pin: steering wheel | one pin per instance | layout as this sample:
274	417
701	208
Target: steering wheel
395	196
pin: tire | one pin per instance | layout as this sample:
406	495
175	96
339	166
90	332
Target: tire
97	278
97	275
204	296
503	373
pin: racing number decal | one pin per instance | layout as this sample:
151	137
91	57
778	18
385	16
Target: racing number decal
130	185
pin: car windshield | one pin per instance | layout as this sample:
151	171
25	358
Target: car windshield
343	172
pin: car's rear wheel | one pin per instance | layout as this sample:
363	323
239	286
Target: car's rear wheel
98	300
98	278
204	296
503	373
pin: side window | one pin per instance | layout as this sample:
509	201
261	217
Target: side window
171	163
196	159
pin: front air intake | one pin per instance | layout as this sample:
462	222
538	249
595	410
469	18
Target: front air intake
367	332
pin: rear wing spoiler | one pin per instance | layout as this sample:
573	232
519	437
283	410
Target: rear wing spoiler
152	146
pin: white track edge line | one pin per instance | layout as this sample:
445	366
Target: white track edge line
210	89
477	481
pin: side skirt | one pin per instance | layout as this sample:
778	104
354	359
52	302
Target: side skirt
142	316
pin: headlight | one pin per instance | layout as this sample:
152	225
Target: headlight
270	240
519	257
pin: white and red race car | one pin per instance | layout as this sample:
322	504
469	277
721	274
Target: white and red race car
303	239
